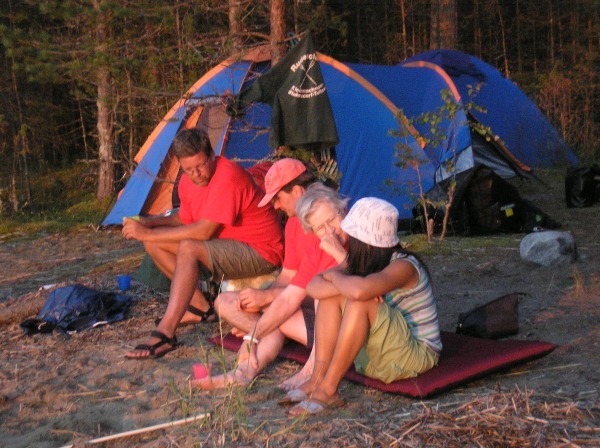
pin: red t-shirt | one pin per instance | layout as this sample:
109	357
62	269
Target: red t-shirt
231	198
315	260
296	243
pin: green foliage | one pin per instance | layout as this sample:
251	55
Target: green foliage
419	244
569	97
434	128
321	160
61	200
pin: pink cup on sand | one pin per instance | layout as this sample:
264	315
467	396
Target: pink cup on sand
202	370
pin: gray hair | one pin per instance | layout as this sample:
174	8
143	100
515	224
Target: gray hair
315	194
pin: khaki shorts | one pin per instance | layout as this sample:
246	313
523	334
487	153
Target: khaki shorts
390	352
231	259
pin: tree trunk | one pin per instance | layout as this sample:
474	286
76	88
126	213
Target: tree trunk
404	36
477	34
278	46
443	24
503	35
235	26
296	27
21	141
518	33
180	47
106	167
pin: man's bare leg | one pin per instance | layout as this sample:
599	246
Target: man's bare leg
184	289
164	257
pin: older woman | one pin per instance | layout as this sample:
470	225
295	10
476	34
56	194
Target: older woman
376	310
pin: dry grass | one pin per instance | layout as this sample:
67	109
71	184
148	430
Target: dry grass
503	419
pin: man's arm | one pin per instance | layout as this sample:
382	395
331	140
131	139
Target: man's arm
254	300
170	220
173	232
281	309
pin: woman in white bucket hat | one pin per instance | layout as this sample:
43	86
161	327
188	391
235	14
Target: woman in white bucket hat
376	310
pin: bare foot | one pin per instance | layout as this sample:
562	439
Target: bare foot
237	377
299	378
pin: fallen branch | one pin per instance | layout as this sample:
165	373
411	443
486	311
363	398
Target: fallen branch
134	432
566	366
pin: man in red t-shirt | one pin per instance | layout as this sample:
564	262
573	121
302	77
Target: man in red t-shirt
219	232
303	260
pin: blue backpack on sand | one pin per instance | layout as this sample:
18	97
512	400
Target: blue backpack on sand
76	308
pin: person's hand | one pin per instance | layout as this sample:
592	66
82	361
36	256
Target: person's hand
378	299
251	300
133	230
332	244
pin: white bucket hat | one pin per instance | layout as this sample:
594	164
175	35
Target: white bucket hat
373	221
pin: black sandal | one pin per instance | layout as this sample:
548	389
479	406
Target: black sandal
163	340
205	315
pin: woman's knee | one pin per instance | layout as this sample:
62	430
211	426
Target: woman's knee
360	306
358	309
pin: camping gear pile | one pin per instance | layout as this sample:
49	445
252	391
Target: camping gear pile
484	203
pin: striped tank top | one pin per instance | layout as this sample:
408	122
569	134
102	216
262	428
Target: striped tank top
417	306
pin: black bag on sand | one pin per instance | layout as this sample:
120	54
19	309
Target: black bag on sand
582	186
493	320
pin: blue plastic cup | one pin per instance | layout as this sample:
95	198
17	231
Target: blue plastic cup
124	282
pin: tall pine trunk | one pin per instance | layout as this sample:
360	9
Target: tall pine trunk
235	26
278	46
106	166
443	24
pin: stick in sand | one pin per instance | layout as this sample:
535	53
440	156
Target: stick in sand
143	430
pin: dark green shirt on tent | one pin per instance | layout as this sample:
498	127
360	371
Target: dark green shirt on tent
295	90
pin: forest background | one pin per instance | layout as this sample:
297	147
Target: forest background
84	82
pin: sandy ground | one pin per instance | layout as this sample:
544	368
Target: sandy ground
58	390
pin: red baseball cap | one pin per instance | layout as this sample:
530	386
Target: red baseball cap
279	175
